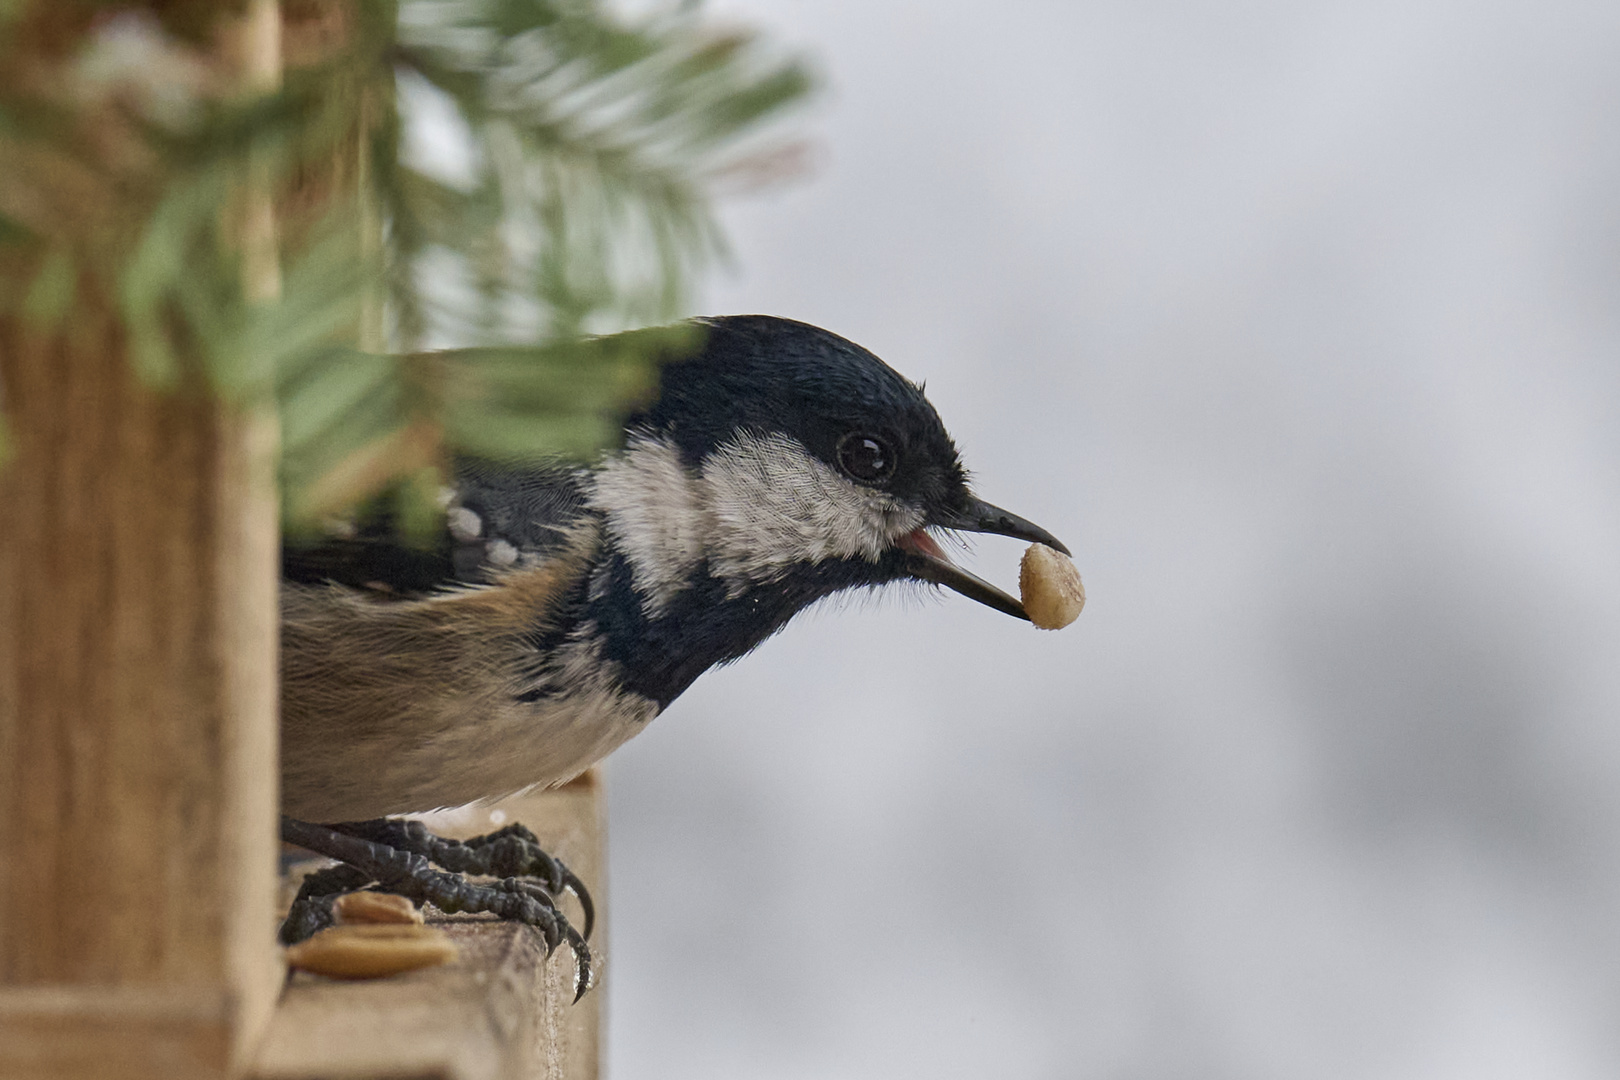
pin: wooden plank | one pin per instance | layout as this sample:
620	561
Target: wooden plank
137	715
74	1032
502	1012
138	578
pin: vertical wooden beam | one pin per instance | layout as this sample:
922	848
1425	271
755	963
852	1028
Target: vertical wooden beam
138	556
137	719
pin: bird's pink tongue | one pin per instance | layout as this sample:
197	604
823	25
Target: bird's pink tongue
920	543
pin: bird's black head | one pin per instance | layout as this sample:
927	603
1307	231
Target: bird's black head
773	378
778	465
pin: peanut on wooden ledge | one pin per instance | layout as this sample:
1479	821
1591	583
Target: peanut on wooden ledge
371	951
375	907
1050	588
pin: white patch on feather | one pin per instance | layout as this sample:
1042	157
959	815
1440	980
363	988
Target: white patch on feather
653	517
774	504
501	554
464	524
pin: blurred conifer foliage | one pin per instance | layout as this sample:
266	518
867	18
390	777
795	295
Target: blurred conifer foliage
570	202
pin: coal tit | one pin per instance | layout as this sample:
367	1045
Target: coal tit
565	607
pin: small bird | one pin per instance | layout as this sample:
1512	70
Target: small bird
564	607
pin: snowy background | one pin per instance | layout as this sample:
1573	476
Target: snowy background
1300	324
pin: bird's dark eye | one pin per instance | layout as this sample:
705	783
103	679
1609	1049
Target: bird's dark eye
867	458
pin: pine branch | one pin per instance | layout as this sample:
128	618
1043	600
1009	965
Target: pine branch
593	145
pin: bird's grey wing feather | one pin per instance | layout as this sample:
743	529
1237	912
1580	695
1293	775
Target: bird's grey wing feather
498	517
505	516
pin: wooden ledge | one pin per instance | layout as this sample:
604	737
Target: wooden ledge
501	1012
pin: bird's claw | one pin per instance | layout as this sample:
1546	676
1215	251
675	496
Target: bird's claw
512	851
404	857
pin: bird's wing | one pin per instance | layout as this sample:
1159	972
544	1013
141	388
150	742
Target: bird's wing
497	517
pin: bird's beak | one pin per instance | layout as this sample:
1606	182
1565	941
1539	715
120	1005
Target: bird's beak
925	560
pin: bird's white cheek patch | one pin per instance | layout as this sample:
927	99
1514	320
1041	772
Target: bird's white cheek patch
773	504
653	516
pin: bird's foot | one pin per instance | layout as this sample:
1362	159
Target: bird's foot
399	856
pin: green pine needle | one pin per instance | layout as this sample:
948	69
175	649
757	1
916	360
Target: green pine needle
593	141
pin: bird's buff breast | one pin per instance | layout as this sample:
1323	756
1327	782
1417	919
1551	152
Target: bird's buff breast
398	707
438	753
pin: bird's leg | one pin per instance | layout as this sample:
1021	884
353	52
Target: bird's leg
512	852
412	875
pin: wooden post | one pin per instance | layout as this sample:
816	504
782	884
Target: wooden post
138	555
137	720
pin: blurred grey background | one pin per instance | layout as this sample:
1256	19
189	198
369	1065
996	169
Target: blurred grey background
1299	323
